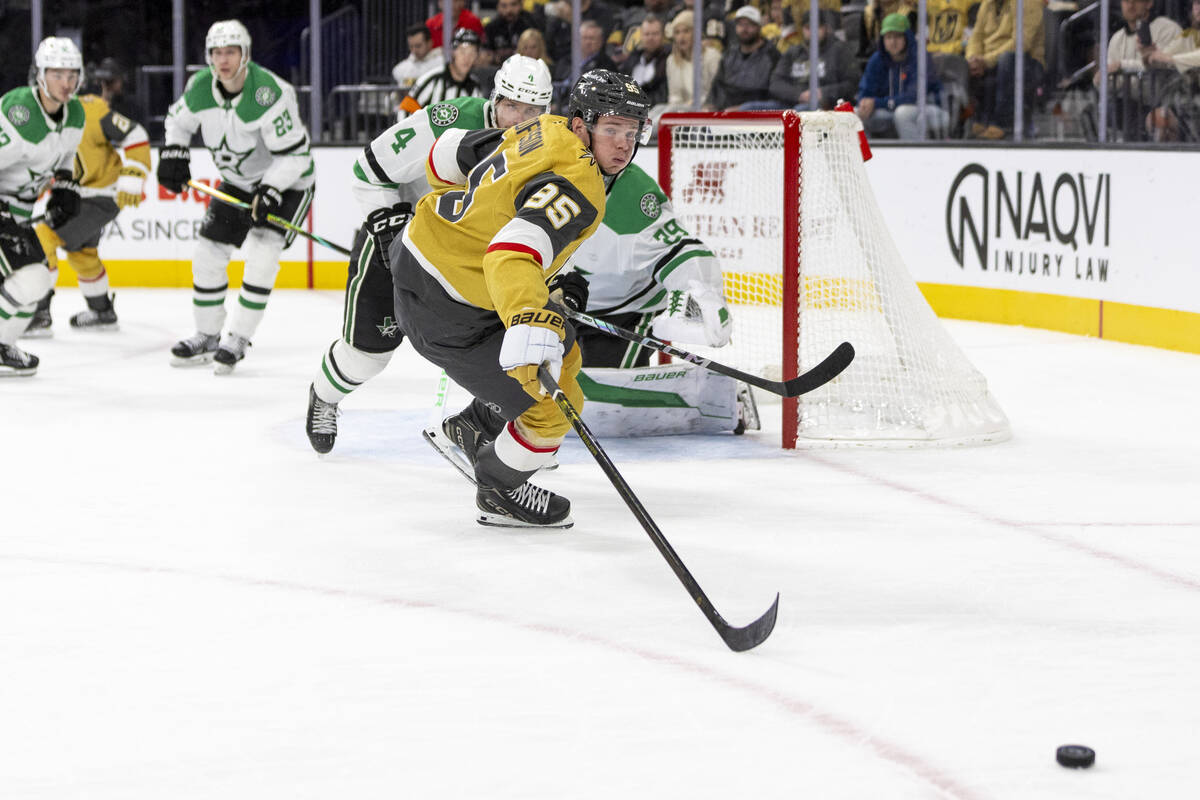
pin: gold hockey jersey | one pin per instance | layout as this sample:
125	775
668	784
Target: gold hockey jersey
111	141
511	208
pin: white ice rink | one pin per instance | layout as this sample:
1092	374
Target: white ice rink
193	605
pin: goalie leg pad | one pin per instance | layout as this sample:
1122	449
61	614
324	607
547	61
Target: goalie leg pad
659	401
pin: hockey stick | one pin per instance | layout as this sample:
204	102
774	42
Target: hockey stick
814	378
29	223
738	639
274	220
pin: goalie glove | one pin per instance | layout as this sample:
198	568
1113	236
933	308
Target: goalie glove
384	225
696	315
534	337
569	290
174	168
130	184
64	199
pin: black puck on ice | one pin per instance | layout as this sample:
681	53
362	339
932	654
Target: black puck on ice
1075	756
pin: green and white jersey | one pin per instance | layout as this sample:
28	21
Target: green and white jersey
391	169
33	146
254	137
640	250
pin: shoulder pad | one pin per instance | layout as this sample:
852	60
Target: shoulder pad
198	94
262	90
21	110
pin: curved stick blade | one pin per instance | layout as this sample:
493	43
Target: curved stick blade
822	373
752	635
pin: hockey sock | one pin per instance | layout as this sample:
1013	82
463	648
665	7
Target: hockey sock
344	368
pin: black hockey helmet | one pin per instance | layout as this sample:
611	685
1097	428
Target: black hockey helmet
602	92
465	36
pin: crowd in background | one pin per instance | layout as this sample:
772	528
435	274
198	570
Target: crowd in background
755	56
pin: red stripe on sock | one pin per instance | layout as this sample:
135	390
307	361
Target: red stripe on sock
512	429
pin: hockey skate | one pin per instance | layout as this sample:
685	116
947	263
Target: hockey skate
39	326
99	316
321	422
526	506
459	439
747	411
198	348
16	363
232	350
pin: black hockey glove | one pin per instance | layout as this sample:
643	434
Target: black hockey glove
570	290
385	224
174	167
266	200
64	199
7	220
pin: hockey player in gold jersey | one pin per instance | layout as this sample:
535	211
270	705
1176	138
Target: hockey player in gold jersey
472	268
111	165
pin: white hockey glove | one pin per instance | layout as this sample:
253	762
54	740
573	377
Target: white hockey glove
534	337
696	315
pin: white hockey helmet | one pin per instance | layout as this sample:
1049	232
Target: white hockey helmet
524	79
227	33
57	52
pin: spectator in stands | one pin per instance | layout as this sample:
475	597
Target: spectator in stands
873	16
501	33
463	18
836	71
992	60
1178	115
680	75
949	24
887	94
647	65
592	54
1141	43
631	19
745	72
422	58
455	80
559	22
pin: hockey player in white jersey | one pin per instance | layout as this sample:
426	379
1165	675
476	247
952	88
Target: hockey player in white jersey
389	178
645	272
40	129
248	119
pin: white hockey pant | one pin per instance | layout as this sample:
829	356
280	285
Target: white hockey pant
344	368
19	296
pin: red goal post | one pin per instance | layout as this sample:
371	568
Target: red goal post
783	200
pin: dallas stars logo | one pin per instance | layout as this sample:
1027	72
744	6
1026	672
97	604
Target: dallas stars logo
228	159
33	186
388	328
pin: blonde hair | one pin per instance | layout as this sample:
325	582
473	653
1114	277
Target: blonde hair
534	35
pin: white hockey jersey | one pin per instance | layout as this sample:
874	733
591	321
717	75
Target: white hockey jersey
254	137
640	251
391	169
33	146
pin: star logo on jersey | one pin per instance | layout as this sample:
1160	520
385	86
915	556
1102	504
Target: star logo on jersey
650	205
443	114
18	115
389	328
265	95
33	186
227	159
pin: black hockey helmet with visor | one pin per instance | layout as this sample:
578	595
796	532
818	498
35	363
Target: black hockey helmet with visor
602	93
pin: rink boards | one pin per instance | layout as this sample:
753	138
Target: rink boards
1093	242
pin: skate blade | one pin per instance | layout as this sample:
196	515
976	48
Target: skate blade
9	372
40	333
438	441
107	327
194	361
501	521
223	369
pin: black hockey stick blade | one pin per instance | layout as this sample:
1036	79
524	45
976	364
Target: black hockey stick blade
822	373
752	635
737	639
818	376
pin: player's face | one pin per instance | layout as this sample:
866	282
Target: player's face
511	112
226	61
613	141
60	83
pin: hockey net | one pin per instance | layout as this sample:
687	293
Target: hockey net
783	200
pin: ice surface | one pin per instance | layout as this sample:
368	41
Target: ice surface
193	605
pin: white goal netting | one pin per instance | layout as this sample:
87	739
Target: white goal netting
909	384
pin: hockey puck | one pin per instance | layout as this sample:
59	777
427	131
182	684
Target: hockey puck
1075	756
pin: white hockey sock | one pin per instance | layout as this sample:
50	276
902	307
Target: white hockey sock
97	287
344	368
210	282
19	296
658	401
262	266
